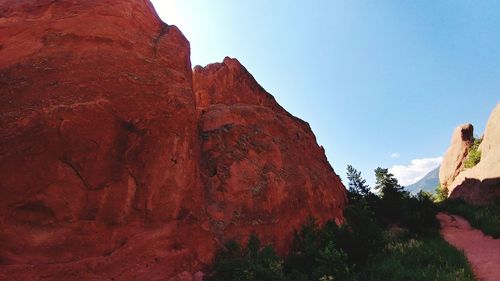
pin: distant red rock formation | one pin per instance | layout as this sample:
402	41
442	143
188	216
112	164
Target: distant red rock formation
117	161
480	183
453	160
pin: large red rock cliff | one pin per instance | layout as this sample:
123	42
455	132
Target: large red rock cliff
262	169
118	162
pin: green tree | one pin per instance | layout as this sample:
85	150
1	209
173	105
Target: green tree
441	193
386	183
392	204
357	185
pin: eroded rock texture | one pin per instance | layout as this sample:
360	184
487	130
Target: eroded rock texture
261	167
108	170
480	183
98	154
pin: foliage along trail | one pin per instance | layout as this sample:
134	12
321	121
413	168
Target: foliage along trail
483	252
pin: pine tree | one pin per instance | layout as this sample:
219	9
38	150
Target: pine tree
393	196
357	185
386	183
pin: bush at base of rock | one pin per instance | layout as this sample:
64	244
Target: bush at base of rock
474	155
252	262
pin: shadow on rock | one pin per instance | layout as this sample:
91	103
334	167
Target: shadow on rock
477	191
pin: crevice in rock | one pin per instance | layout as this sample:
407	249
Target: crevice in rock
122	244
78	174
157	39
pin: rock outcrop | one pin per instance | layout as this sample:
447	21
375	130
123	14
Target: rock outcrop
261	167
480	183
453	160
116	164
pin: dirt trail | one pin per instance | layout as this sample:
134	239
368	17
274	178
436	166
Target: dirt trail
483	252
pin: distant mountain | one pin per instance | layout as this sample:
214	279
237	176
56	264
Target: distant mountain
428	183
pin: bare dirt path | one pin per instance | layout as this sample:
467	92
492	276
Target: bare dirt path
483	252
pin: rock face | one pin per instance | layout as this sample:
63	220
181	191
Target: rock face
480	183
261	167
114	163
452	164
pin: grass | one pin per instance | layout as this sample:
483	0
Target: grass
486	218
423	258
405	257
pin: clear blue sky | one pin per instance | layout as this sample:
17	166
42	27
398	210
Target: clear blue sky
372	78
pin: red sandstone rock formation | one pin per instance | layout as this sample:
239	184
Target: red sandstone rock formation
109	170
453	160
480	183
261	167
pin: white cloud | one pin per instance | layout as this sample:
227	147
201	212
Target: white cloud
417	169
395	155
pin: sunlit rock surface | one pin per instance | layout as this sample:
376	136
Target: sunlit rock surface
480	183
116	165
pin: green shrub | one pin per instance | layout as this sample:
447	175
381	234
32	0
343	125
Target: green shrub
441	194
252	263
419	215
391	236
316	255
474	155
360	236
422	259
